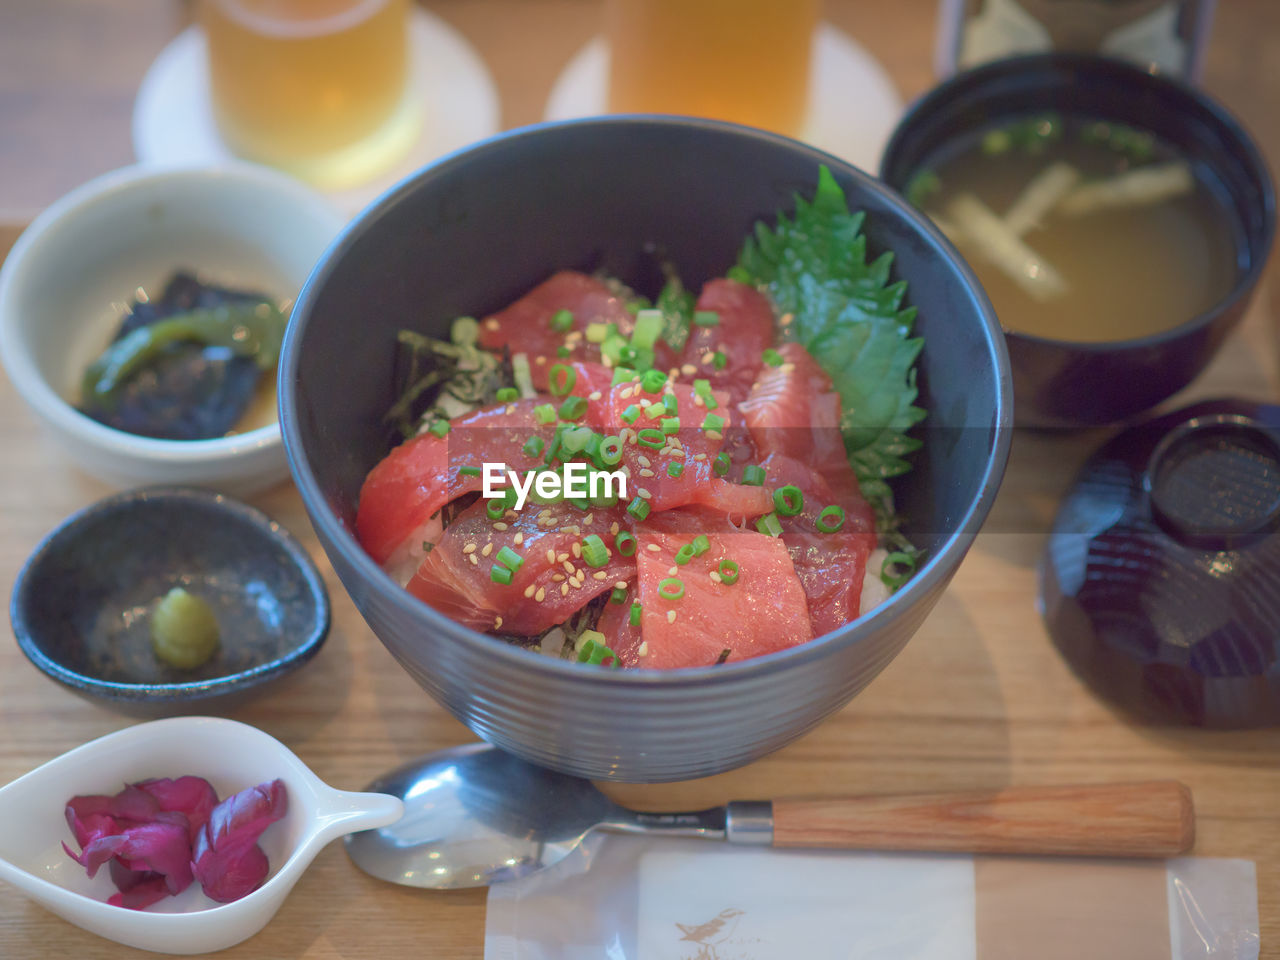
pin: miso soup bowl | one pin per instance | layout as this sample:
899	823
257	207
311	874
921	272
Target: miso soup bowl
480	228
1059	383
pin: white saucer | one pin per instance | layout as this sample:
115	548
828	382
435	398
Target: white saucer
853	105
173	116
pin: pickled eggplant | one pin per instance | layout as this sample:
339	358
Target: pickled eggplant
187	365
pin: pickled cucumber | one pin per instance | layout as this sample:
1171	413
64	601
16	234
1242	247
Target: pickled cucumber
184	631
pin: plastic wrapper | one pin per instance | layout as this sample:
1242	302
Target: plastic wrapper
630	898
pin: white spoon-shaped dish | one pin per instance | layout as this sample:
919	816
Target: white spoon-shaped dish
232	756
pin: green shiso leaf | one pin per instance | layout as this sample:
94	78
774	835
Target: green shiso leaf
849	316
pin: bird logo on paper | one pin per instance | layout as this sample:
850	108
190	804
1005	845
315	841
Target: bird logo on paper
710	936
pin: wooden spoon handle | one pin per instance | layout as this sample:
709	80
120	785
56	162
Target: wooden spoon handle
1150	819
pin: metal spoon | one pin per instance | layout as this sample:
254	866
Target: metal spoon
475	816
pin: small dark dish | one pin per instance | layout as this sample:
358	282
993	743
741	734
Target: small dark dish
468	235
1063	383
80	604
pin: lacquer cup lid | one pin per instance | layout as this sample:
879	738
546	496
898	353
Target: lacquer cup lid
1160	583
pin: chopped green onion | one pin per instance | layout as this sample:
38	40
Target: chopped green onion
618	595
596	332
897	559
675	468
469	471
574	439
638	508
670	425
534	446
772	357
713	421
610	450
593	651
496	508
592	447
684	554
612	348
671	588
440	428
564	352
720	466
633	617
573	408
670	404
562	379
622	375
835	521
594	552
728	571
648	327
509	558
769	525
562	321
788	500
753	475
702	389
652	381
719	360
544	413
654	439
500	574
631	414
626	543
706	318
507	395
700	544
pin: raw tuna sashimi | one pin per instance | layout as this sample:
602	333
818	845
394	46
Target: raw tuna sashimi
744	329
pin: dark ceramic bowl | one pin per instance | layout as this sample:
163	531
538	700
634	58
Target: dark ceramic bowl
473	232
1062	383
80	605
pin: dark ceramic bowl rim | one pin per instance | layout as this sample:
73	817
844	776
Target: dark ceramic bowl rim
933	570
173	692
1242	145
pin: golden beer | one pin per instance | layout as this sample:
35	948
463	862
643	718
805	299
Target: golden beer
740	60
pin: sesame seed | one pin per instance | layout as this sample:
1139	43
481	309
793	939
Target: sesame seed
673	571
642	492
497	622
654	547
519	536
551	555
568	567
715	435
646	473
576	584
492	323
708	358
644	649
697	400
540	360
786	319
577	550
787	367
699	456
528	591
600	575
614	528
715	576
588	518
486	549
626	392
502	526
673	373
469	548
621	584
644	461
688	369
594	395
677	452
574	529
540	595
557	577
511	408
671	616
645	402
564	589
475	561
562	557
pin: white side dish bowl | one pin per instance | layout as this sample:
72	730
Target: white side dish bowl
69	277
232	757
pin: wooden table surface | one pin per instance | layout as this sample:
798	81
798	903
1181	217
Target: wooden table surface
978	699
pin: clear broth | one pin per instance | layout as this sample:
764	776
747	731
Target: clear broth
1130	272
